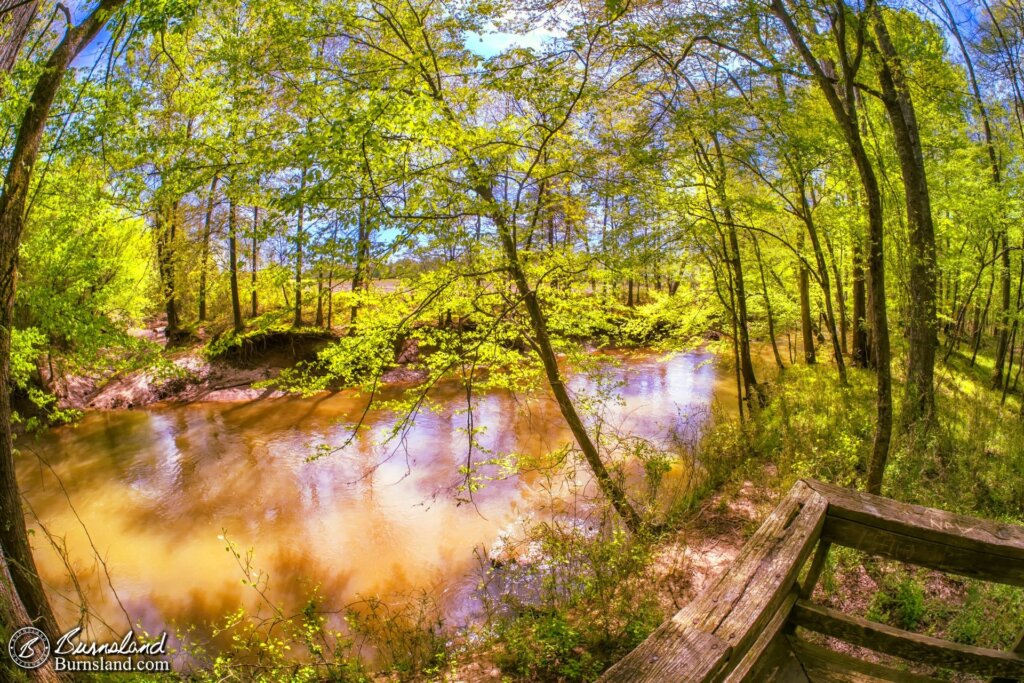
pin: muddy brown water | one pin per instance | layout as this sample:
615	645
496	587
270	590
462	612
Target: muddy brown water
158	489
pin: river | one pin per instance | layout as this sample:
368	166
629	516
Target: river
159	489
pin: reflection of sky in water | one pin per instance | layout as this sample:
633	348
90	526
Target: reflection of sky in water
156	488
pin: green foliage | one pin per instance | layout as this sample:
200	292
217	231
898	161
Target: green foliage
576	606
546	647
898	602
86	275
27	345
814	428
268	645
580	174
669	321
988	617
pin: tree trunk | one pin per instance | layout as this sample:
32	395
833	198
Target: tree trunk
842	101
922	332
806	333
204	263
1003	316
299	238
330	298
319	296
362	259
542	345
14	544
12	617
255	254
15	19
860	323
165	219
735	332
733	256
953	26
236	307
768	307
981	315
826	286
840	296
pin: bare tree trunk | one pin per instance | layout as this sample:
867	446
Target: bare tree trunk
15	19
205	253
236	307
255	254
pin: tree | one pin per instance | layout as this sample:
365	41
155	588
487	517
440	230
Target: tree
841	97
15	18
922	335
13	199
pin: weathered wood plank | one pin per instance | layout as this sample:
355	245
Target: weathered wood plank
718	600
924	553
770	651
774	579
823	664
817	565
1005	542
741	603
1019	649
672	653
912	646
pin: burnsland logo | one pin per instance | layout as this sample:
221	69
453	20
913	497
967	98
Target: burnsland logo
29	648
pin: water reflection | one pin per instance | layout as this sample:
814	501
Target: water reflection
157	488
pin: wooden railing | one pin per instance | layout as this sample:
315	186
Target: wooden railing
744	628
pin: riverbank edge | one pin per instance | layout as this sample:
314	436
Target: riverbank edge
197	378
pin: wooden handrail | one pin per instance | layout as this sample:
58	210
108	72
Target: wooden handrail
905	644
742	630
727	619
821	663
921	523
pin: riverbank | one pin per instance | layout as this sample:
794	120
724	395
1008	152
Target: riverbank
189	374
222	367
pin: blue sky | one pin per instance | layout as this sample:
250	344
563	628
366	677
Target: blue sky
493	42
486	44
